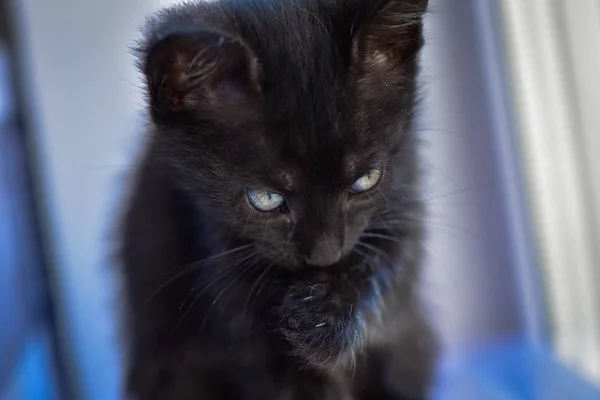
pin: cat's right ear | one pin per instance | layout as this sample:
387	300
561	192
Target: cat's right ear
200	70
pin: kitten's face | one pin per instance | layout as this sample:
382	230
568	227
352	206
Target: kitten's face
306	216
290	136
305	201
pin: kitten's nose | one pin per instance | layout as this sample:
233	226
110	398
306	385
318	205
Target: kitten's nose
326	251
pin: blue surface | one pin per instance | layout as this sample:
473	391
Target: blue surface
504	372
512	371
25	347
33	377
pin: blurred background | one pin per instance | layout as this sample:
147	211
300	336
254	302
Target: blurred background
511	134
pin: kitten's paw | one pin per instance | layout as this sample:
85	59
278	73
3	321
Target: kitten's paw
321	323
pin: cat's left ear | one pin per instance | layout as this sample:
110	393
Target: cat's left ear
389	37
200	71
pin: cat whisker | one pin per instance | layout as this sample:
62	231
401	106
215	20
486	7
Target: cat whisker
194	266
442	174
456	192
374	205
382	236
389	227
224	272
361	253
260	277
231	271
235	294
235	279
405	221
397	191
269	280
376	251
384	196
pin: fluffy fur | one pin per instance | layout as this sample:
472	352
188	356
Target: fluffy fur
314	300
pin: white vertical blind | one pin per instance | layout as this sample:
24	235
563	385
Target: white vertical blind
553	49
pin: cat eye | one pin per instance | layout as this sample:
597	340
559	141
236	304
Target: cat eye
366	182
265	201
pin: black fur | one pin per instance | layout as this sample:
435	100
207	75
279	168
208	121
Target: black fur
314	300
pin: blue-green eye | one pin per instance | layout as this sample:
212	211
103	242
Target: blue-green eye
265	201
367	181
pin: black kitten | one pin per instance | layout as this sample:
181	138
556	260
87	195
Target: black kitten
270	245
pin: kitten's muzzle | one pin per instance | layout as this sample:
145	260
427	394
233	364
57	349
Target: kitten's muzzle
324	257
320	234
323	251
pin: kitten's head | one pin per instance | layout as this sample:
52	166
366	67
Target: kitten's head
287	120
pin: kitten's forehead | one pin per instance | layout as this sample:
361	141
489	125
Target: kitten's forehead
289	179
318	170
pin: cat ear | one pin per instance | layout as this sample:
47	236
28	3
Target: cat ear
201	69
390	36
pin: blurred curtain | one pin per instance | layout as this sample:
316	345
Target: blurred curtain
553	49
26	352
